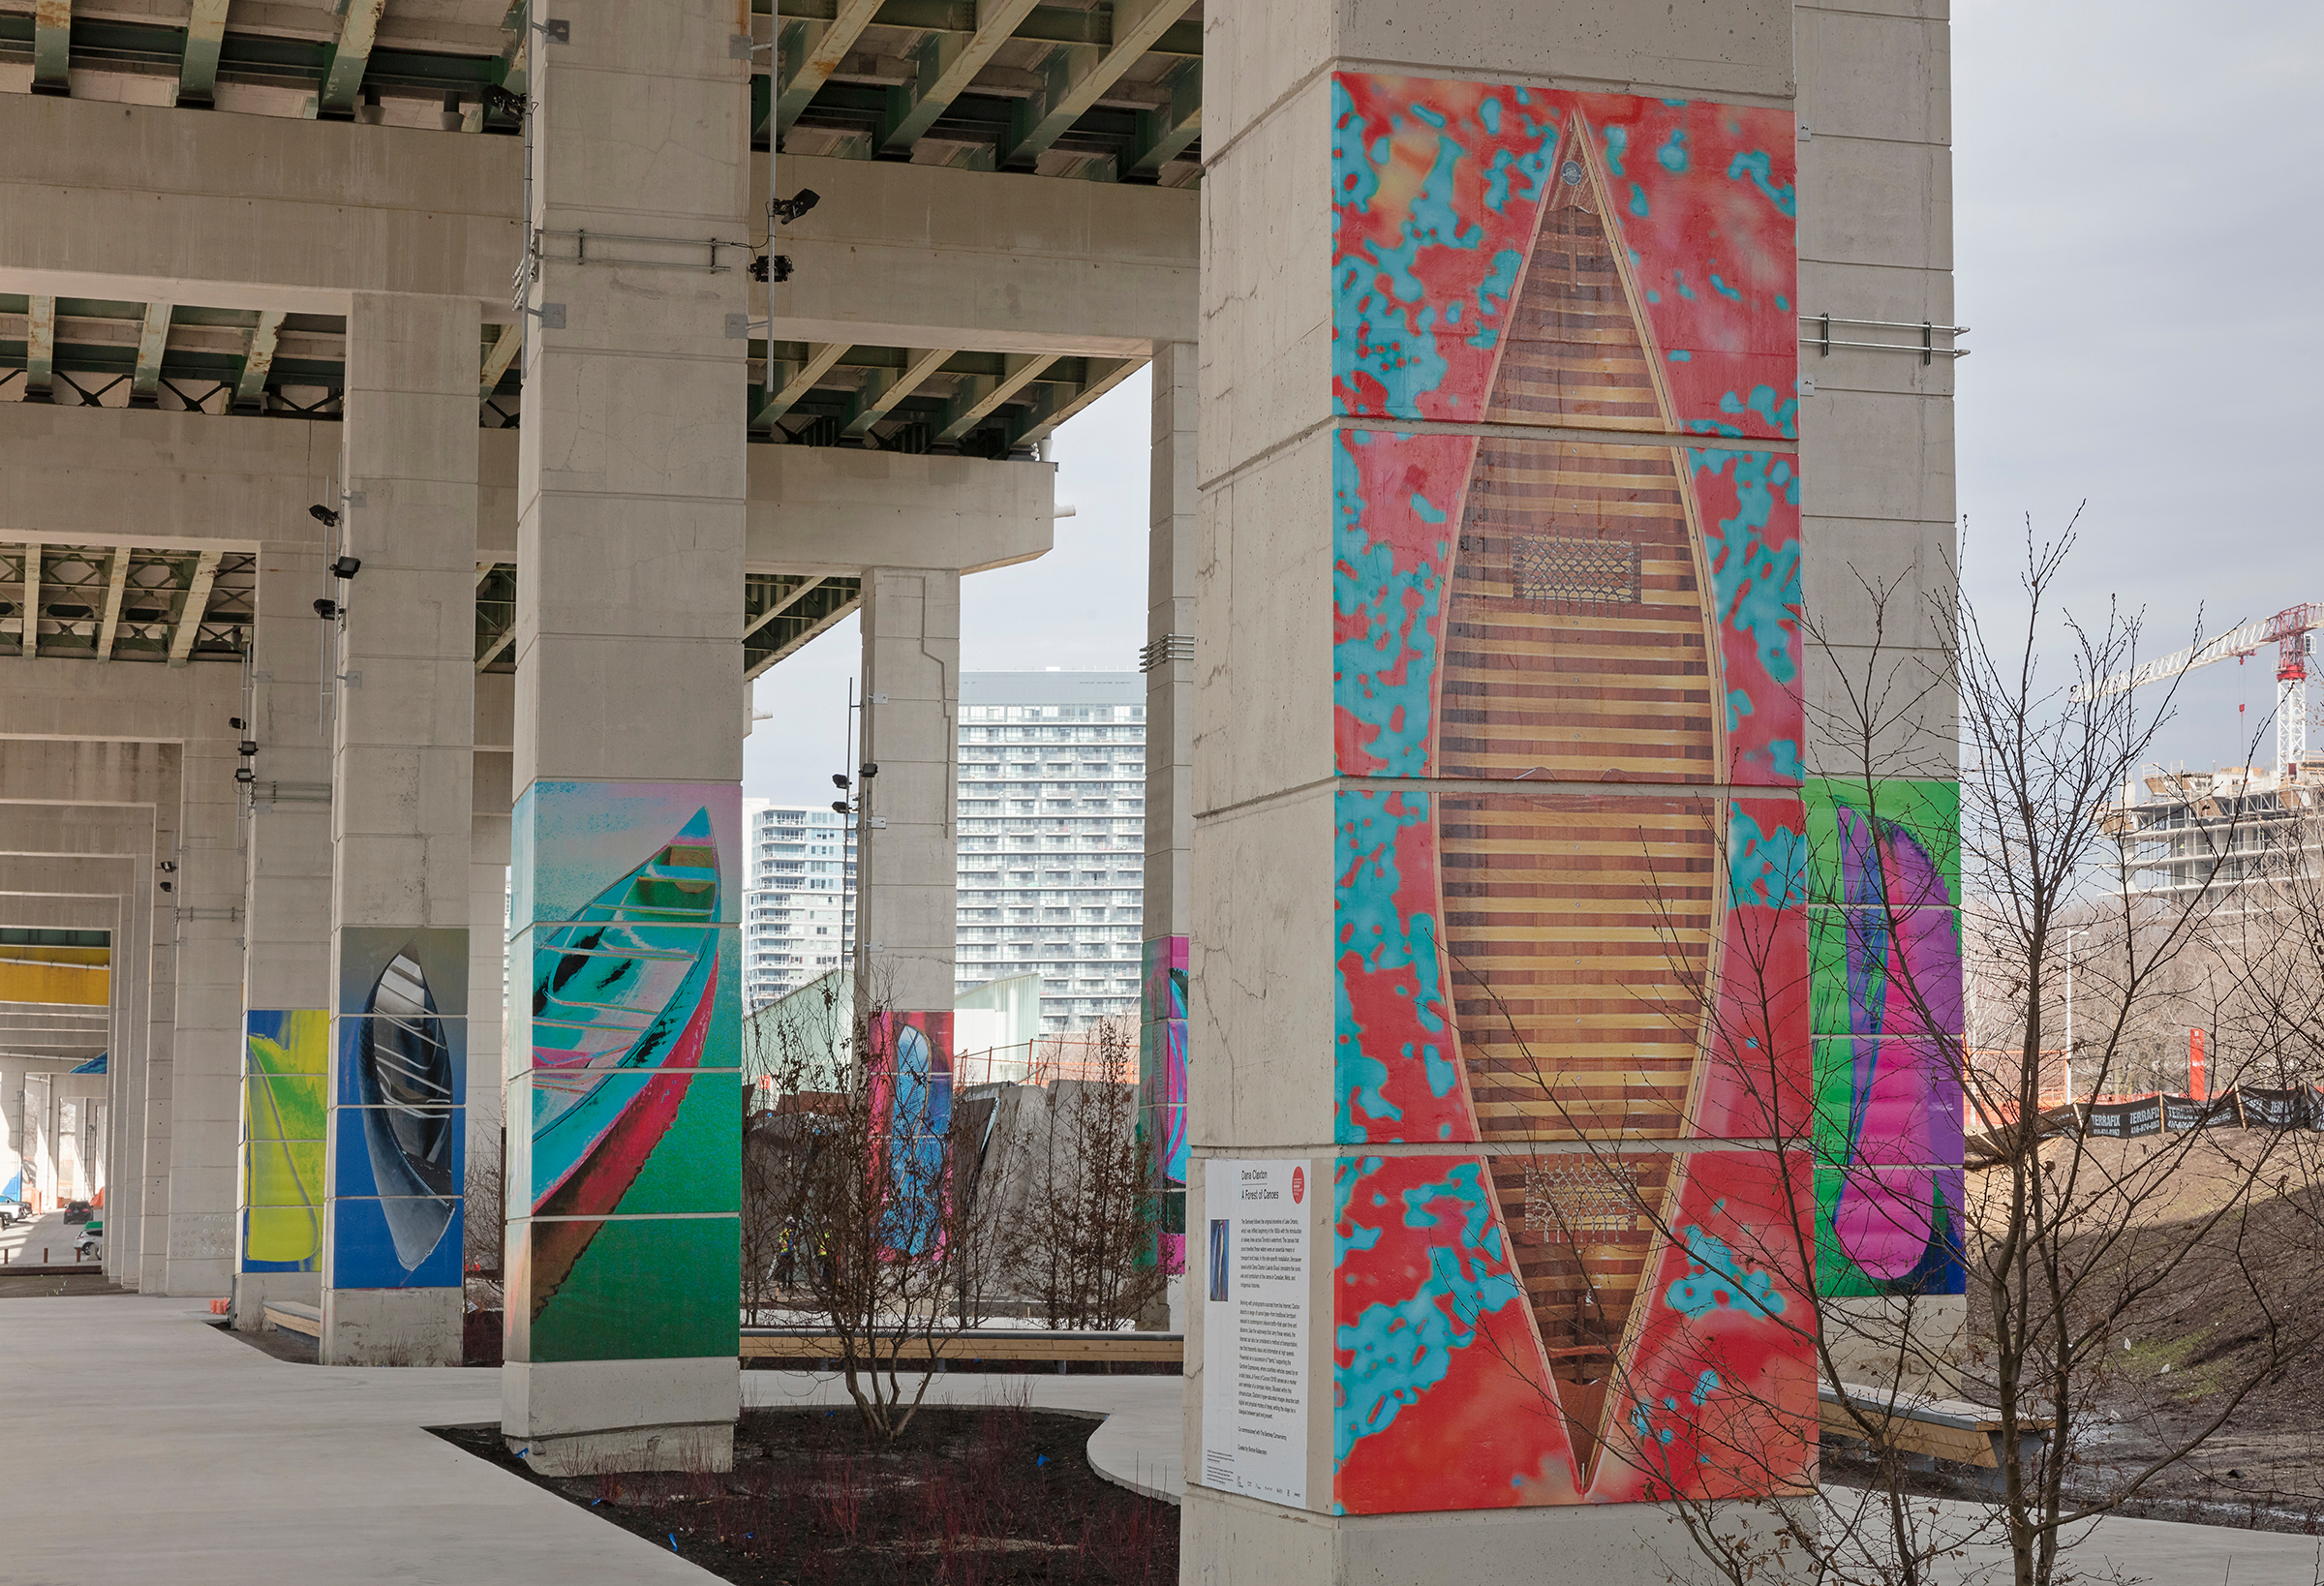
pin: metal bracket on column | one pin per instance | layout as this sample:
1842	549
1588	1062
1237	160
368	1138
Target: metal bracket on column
1162	651
290	793
1816	330
741	46
556	29
536	244
738	327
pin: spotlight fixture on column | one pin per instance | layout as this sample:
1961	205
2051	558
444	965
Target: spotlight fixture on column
838	778
347	567
169	865
237	723
327	610
168	886
245	776
870	769
840	806
248	749
788	210
771	268
324	515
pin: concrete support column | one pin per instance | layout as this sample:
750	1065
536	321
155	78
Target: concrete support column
287	988
906	865
1876	439
487	999
625	998
1498	948
206	1111
1168	661
151	1186
404	785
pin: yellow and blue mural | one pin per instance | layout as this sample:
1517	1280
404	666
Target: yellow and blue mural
286	1080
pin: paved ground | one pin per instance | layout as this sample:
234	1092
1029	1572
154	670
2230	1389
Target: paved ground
199	1459
23	1242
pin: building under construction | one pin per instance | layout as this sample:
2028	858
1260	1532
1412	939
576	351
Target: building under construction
2235	827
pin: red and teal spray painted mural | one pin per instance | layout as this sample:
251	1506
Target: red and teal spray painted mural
1162	1091
1587	951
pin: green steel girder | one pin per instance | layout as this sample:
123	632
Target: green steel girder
1045	24
51	47
197	67
804	614
79	616
349	56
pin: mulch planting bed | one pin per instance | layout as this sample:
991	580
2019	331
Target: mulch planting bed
967	1497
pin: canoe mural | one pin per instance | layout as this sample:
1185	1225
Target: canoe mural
399	1120
1579	980
629	1075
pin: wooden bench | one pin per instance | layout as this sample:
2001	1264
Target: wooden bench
977	1344
293	1316
1917	1423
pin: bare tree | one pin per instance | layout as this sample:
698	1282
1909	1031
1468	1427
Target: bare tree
869	1222
1083	1210
2065	1241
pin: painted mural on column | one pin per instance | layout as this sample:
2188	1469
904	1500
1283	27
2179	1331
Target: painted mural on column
1885	926
623	1058
285	1084
909	1069
1601	985
1162	1090
399	1109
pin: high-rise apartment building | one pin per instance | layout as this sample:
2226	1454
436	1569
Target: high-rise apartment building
1053	836
799	909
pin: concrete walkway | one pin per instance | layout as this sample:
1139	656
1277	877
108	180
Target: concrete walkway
197	1459
24	1243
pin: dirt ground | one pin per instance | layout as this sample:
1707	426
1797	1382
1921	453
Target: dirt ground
2240	1312
984	1497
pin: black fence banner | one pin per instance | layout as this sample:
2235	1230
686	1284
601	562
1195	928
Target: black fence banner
2125	1120
2263	1108
2186	1112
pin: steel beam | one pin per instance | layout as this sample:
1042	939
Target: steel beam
496	362
205	34
350	57
188	614
116	584
1164	134
251	384
948	64
808	52
1076	77
153	336
51	47
805	588
980	395
40	344
884	389
1104	375
28	608
800	380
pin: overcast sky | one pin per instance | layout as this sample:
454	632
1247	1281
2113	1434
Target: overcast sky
2138	208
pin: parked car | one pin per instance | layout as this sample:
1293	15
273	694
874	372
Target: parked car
12	1211
91	1243
78	1211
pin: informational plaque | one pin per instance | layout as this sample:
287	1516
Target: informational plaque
1253	1245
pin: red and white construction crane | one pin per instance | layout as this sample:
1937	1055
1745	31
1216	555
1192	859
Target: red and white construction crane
2288	631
